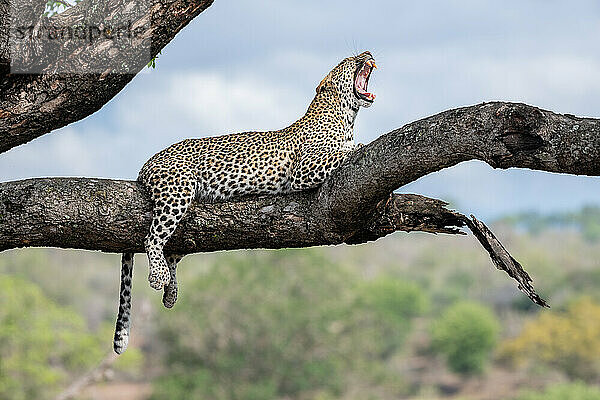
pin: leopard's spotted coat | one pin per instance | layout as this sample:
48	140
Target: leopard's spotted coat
298	157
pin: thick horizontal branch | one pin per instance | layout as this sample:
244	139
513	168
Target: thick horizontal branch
32	105
115	216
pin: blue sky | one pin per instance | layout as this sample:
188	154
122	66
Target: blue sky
245	65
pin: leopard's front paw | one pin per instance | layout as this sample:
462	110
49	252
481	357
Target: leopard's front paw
159	277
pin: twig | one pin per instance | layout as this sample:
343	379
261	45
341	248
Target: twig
94	375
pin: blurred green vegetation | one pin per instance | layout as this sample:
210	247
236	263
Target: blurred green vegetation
41	343
568	340
407	317
465	334
569	391
280	324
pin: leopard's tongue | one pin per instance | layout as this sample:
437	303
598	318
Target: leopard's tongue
362	81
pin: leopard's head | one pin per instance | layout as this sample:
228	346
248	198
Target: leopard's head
349	79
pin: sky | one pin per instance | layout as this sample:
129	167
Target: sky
254	65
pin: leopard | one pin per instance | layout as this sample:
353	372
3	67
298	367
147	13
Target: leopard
216	168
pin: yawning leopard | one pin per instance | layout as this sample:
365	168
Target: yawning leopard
298	157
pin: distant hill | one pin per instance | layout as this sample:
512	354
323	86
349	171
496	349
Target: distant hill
586	221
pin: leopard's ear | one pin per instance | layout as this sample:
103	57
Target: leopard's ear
324	82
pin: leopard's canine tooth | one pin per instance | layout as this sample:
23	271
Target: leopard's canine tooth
371	63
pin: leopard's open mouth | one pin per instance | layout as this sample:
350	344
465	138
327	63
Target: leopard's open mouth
361	81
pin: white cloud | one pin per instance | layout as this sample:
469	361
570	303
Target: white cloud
64	152
414	83
221	104
205	103
150	118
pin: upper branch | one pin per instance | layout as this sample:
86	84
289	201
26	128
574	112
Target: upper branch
502	134
59	92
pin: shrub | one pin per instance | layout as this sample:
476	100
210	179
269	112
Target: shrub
465	335
41	343
567	340
389	304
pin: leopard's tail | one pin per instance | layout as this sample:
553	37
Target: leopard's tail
124	318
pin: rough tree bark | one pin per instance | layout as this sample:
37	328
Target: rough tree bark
353	206
32	105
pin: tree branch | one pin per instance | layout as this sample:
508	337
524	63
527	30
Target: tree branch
115	216
75	388
353	206
32	105
503	135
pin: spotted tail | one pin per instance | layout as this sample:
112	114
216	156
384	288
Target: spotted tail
124	318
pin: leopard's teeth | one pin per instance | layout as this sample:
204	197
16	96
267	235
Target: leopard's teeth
371	63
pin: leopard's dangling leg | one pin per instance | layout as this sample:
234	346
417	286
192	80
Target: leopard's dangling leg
123	324
172	196
170	294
